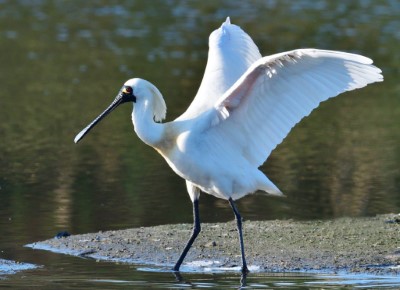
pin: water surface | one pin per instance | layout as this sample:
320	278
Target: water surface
62	62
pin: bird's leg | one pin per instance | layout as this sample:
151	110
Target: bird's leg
195	232
245	270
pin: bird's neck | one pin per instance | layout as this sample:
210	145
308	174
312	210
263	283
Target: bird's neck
146	128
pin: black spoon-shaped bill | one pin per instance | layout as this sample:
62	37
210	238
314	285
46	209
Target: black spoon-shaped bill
125	95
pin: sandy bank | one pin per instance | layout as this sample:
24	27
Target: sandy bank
368	245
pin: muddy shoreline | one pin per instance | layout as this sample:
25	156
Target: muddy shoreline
8	267
354	245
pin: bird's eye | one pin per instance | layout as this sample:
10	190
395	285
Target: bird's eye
128	90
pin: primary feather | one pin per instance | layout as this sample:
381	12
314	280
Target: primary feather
231	53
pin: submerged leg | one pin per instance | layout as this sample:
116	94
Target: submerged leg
239	228
195	232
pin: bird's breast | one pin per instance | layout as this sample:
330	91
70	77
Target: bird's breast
183	153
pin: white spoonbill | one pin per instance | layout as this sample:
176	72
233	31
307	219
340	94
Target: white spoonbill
245	106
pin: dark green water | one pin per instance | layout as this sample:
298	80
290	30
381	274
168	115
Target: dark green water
62	62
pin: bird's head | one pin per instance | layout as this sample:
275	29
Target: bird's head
147	92
134	90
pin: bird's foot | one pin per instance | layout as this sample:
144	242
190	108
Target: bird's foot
178	276
243	277
245	270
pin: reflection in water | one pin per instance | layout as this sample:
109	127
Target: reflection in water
182	281
62	60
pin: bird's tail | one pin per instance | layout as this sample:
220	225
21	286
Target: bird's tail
269	187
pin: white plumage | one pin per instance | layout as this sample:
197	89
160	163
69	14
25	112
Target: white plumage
245	106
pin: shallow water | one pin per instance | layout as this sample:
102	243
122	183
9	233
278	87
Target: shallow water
63	62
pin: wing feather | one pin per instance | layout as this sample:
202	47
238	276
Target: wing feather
276	92
231	53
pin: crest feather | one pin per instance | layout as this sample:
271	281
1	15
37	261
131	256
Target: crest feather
143	88
159	106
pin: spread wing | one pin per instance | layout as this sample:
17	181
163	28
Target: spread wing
231	53
277	91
